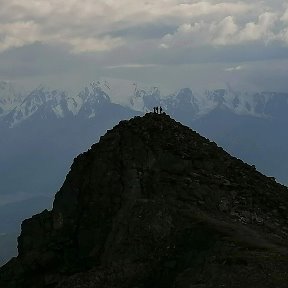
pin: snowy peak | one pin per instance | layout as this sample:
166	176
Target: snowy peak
184	101
94	95
264	104
218	96
46	104
130	94
90	100
41	97
41	100
8	98
144	100
151	97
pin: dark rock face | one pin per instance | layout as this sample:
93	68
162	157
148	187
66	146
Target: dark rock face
154	204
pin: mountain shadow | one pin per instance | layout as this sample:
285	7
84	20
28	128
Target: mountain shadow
154	204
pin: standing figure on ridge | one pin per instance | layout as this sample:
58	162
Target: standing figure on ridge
161	110
157	109
154	109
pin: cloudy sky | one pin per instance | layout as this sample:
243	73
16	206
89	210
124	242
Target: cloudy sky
170	43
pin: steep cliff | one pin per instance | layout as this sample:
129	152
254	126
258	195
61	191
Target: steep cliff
154	204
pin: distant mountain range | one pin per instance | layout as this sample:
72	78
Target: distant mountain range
48	103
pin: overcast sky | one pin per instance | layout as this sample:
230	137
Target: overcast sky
169	43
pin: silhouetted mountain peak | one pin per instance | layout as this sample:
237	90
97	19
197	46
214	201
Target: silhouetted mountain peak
154	204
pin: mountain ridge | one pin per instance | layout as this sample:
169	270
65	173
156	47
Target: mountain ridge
61	105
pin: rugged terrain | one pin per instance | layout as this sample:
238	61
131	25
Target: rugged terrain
154	204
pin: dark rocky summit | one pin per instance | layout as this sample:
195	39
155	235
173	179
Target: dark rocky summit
154	204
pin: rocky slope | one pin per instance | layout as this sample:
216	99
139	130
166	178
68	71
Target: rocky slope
154	204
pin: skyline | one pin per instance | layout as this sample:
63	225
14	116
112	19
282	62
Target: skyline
168	43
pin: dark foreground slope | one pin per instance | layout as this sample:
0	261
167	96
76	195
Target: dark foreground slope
154	204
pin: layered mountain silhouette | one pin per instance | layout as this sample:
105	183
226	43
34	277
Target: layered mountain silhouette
154	204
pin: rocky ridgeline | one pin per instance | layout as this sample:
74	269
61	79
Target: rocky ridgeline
154	204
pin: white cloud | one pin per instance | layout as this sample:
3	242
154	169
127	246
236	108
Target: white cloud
263	29
227	31
236	68
87	44
18	34
87	25
183	27
284	17
223	32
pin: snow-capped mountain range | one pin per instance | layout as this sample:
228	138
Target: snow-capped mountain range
16	108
